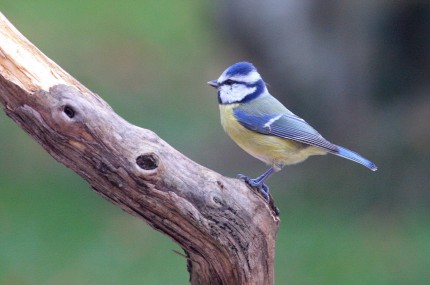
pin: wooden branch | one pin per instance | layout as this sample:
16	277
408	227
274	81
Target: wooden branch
227	231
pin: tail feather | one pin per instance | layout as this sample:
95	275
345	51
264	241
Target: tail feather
349	154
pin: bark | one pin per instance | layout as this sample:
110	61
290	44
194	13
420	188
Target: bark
226	230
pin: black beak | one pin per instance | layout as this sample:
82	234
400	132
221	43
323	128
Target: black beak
213	83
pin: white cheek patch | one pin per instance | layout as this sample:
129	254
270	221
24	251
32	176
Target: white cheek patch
234	93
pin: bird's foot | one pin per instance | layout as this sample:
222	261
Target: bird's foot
256	183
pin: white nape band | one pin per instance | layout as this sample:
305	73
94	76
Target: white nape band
249	78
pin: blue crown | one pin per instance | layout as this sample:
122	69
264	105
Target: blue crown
240	68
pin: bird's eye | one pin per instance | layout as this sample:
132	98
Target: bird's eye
229	82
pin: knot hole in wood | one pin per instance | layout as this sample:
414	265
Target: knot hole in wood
69	111
148	161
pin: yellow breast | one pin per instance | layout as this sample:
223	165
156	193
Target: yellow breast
270	149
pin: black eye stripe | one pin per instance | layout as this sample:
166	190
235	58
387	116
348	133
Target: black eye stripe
229	82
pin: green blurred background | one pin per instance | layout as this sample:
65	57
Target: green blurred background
357	70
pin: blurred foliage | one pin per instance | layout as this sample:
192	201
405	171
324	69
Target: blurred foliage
151	60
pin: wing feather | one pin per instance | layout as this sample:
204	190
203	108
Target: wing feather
288	126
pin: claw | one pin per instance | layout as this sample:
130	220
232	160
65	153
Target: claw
257	183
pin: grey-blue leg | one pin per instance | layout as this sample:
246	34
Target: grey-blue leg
259	182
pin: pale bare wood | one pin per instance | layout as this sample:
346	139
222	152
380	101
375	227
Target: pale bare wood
227	231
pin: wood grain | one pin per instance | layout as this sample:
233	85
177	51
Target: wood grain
227	231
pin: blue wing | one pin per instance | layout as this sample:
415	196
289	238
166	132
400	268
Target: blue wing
286	126
292	127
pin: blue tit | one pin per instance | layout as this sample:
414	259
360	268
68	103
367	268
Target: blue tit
265	128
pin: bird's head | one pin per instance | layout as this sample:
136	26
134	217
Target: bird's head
239	83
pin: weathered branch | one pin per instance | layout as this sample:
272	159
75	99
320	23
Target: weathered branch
227	231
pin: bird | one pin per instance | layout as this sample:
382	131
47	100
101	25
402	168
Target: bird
263	127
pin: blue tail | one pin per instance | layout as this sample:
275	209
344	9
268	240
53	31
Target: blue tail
349	154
